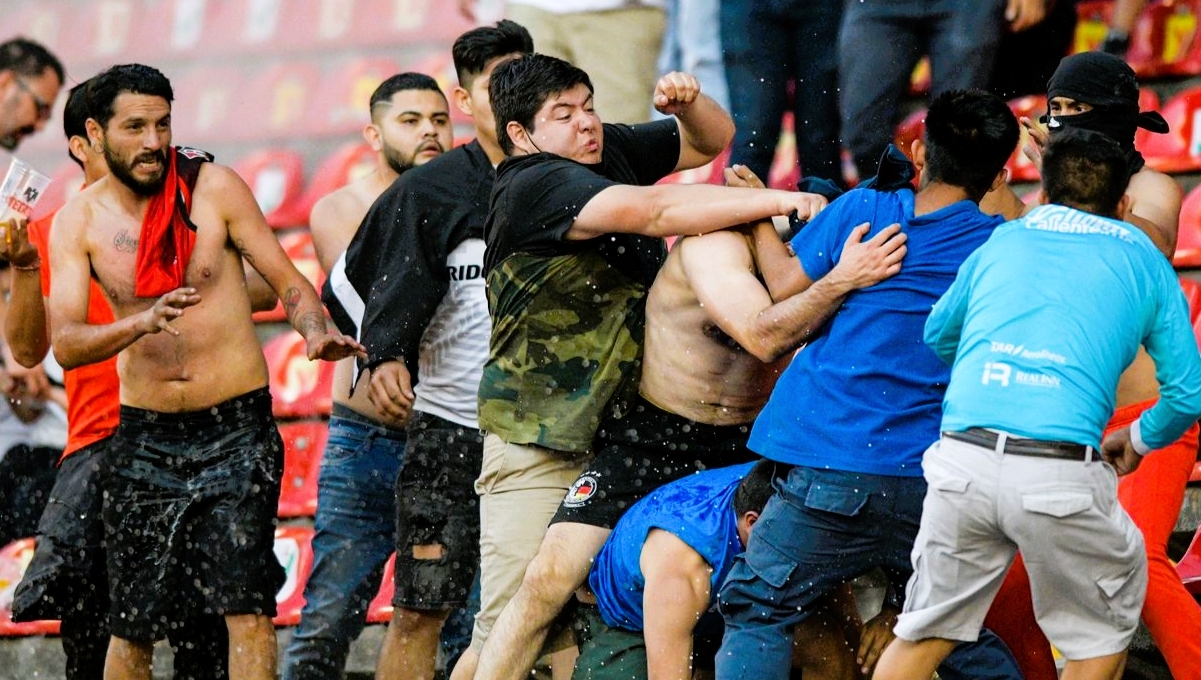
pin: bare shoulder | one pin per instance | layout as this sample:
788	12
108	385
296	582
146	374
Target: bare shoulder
1154	186
1156	199
339	210
216	181
729	247
72	218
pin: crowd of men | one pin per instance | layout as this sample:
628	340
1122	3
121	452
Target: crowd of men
623	441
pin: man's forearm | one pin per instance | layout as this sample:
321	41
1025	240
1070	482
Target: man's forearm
80	344
706	127
304	311
25	327
788	324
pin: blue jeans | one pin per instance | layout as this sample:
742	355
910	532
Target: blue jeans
823	528
692	44
355	533
880	43
767	44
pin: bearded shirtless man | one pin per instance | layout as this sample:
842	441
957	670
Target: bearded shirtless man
194	478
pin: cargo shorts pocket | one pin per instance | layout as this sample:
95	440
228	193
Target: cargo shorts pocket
836	499
1123	595
1060	500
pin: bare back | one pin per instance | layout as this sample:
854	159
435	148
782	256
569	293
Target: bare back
334	221
216	355
691	366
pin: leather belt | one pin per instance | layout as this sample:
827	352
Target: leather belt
1035	448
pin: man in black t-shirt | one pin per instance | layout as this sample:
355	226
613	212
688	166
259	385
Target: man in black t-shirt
573	244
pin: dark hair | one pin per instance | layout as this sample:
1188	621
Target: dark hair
969	136
27	58
474	49
755	489
400	83
1086	170
75	115
103	89
519	87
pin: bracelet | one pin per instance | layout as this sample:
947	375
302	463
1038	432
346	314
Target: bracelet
37	264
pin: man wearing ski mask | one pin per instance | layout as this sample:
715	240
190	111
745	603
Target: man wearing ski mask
1097	91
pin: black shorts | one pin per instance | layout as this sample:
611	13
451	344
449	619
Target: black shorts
436	503
67	573
641	452
189	514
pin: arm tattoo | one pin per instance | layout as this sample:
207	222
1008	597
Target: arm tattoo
306	324
291	300
311	323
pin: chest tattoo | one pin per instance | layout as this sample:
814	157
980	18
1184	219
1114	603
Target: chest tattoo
125	243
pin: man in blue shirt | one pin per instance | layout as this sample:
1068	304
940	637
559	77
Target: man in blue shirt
858	406
656	576
1040	324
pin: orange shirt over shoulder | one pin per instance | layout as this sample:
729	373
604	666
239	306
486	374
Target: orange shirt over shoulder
93	391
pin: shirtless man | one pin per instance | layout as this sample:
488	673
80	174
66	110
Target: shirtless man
194	479
356	503
1099	92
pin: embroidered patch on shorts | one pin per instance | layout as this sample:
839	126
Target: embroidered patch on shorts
579	493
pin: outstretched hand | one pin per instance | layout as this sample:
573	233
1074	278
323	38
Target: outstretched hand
166	309
1118	451
333	347
866	263
675	92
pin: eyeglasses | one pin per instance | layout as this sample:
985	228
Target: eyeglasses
42	106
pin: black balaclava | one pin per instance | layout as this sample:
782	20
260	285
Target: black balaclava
1107	84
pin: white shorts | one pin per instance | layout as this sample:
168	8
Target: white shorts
1085	557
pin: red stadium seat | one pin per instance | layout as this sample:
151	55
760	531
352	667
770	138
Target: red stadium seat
279	102
346	93
387	22
218	109
784	172
14	558
1188	237
294	550
44	21
1189	566
380	609
103	31
346	164
276	176
304	444
298	245
299	388
1180	149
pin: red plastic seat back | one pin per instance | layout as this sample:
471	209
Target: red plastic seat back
276	176
304	444
299	388
380	609
14	558
294	550
1188	237
346	164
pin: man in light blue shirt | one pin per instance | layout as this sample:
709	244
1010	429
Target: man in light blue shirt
1040	323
